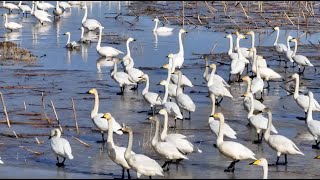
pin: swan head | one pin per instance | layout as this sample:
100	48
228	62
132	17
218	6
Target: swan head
182	31
229	36
107	116
163	111
4	15
317	157
55	132
163	83
241	36
213	66
166	66
289	37
260	162
250	33
253	49
293	40
152	118
170	55
276	28
295	75
156	19
246	78
310	95
126	129
67	33
144	77
92	91
236	33
217	116
247	95
84	7
130	39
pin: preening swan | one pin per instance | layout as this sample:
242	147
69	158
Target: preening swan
142	164
279	143
264	163
60	146
90	24
178	140
313	125
183	100
230	149
258	121
167	150
106	51
10	25
299	59
214	124
116	153
97	119
72	45
24	8
152	98
178	58
160	29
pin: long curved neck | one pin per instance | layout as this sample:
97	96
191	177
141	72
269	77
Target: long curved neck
166	92
4	3
252	40
181	51
265	171
58	133
179	89
249	85
32	9
57	5
130	65
230	45
85	15
127	153
251	107
238	48
114	68
295	48
257	67
155	138
110	132
165	127
213	107
309	115
99	40
5	19
296	89
276	41
210	82
20	2
128	49
146	89
220	135
155	26
267	132
68	41
82	32
288	44
96	105
206	71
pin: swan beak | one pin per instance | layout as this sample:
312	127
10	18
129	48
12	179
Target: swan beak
50	137
64	34
134	40
256	162
317	157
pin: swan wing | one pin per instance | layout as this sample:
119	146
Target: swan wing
257	85
184	101
283	145
101	123
144	165
235	150
260	122
314	128
228	131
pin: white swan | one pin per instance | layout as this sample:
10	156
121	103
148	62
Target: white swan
230	149
84	39
42	16
313	125
116	153
90	24
73	44
258	106
47	5
257	83
171	107
178	140
142	164
216	87
215	79
10	6
106	51
299	59
152	98
279	143
10	25
264	163
289	52
280	48
127	57
183	100
303	100
57	11
174	77
60	146
261	61
232	55
265	72
214	124
172	88
238	64
258	121
24	8
65	5
160	29
178	58
134	73
122	78
166	149
243	50
97	119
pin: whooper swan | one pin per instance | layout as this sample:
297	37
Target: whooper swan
142	164
178	58
60	146
106	51
24	8
313	125
280	48
230	149
300	59
90	24
122	78
258	106
71	45
160	29
10	25
279	143
264	163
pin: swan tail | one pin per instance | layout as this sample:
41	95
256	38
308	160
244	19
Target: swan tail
196	149
233	136
70	156
119	132
273	129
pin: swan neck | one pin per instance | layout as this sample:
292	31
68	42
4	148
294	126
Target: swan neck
309	115
82	32
252	40
257	67
213	107
206	71
58	133
155	138
288	44
230	45
110	132
128	49
220	135
210	82
179	89
265	171
114	69
68	41
296	89
99	40
57	5
249	86
238	48
276	41
251	107
96	105
127	153
295	48
155	26
181	51
267	132
85	15
165	127
166	92
20	2
146	89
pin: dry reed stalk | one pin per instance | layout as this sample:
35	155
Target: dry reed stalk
5	110
42	102
244	11
224	8
82	142
15	134
24	104
209	7
75	115
34	152
38	142
199	19
289	19
55	113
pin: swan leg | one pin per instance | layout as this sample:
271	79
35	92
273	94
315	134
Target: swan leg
285	66
316	146
231	166
303	70
258	141
129	177
57	164
218	103
285	163
122	177
149	177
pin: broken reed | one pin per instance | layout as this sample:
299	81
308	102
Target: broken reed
5	110
75	115
55	113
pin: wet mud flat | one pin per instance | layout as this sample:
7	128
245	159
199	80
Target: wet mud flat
61	76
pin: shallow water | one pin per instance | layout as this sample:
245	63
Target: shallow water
62	74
